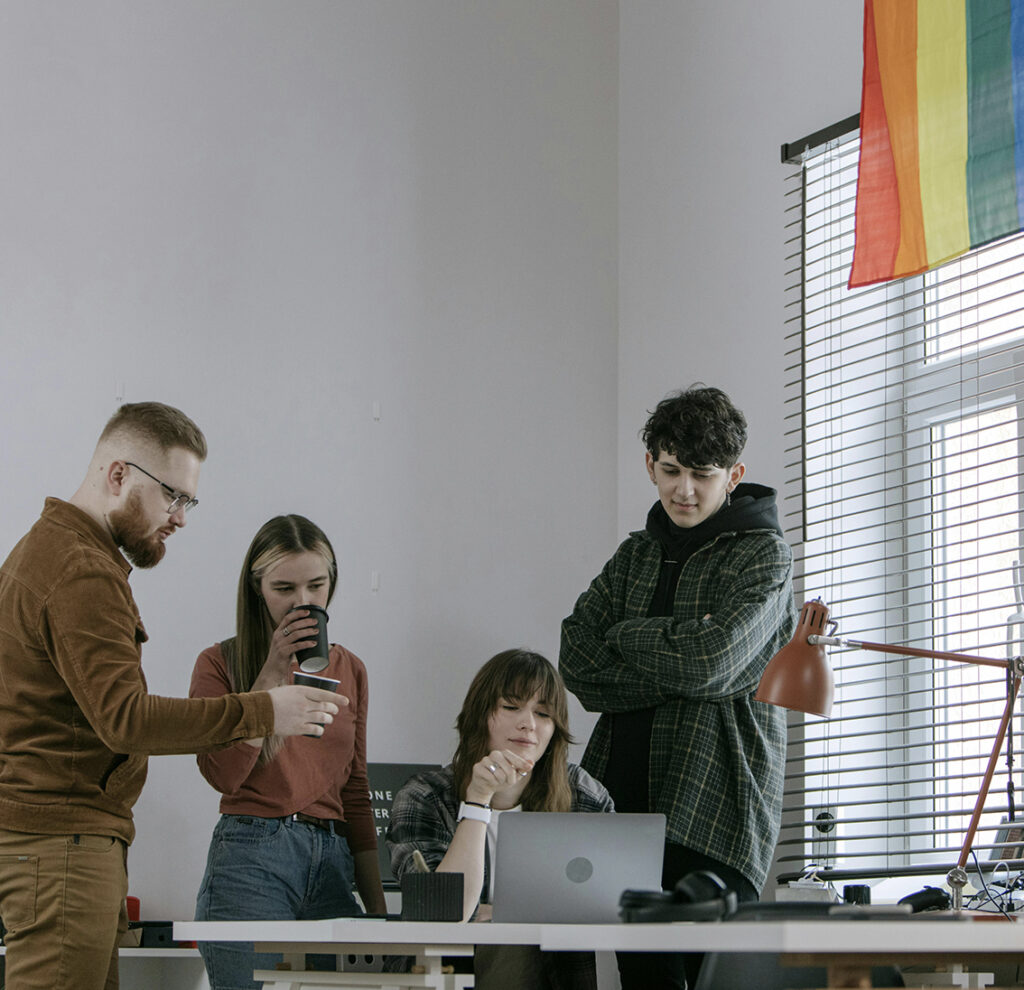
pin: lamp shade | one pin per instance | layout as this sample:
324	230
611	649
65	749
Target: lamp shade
799	676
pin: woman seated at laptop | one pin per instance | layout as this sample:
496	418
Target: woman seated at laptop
512	755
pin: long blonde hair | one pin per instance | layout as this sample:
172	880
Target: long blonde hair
517	675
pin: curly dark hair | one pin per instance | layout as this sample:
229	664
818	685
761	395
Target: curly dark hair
698	427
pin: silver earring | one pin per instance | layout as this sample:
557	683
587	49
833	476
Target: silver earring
728	498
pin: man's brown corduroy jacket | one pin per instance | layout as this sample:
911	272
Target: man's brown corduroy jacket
77	724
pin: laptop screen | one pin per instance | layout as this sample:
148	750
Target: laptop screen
554	868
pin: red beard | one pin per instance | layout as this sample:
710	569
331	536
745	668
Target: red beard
131	533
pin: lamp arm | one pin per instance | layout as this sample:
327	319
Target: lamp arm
911	651
817	612
957	877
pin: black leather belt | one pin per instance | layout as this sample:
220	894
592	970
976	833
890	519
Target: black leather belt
335	825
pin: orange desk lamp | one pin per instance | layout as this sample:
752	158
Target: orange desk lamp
799	677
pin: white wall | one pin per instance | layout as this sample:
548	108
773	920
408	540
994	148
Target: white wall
709	92
274	215
277	214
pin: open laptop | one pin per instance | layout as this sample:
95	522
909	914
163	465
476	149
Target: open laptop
554	868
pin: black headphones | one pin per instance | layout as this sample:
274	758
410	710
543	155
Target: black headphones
699	896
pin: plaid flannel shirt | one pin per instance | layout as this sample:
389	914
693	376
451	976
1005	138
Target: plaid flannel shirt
424	812
717	756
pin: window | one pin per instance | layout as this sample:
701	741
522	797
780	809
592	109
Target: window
903	505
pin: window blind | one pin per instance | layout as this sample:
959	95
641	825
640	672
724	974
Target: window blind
903	504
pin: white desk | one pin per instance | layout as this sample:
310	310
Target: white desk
848	948
427	941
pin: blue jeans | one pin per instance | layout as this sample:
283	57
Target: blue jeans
266	869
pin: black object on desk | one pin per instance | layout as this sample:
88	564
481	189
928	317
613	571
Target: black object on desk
432	897
698	896
154	934
928	899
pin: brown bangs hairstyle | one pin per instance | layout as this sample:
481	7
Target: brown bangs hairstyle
517	675
246	652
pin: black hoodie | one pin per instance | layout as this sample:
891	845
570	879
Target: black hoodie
750	507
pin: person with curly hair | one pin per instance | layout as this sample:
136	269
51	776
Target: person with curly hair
669	643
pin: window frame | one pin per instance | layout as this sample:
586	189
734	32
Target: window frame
880	602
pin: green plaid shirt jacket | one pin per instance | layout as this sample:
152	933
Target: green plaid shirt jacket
717	756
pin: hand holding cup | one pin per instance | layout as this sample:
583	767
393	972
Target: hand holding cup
320	682
300	710
296	631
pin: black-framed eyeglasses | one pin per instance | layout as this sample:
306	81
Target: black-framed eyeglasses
179	500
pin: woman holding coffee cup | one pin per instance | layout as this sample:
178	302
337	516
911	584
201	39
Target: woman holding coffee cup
296	829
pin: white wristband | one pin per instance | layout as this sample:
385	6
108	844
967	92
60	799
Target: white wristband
474	812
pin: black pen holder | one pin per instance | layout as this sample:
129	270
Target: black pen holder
432	897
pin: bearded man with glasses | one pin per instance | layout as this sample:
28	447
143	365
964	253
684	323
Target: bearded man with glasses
77	725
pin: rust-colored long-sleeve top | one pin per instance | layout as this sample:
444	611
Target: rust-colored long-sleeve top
324	776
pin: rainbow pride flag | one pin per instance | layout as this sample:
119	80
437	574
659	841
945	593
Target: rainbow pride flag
942	133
